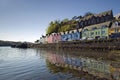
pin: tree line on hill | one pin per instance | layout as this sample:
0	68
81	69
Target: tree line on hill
7	43
15	44
65	25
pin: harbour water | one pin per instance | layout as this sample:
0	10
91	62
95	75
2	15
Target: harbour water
36	64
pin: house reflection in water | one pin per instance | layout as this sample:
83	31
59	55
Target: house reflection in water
102	69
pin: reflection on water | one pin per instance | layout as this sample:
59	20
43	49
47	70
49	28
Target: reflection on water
103	69
35	64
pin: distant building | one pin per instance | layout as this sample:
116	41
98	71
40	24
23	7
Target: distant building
43	40
115	28
117	16
96	19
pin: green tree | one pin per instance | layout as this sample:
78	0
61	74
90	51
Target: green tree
60	26
88	14
53	26
65	20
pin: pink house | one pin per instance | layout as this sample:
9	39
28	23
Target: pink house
50	38
54	38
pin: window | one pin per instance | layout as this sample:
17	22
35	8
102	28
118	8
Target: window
97	20
103	26
85	30
84	34
76	35
89	22
107	17
94	28
93	21
103	32
96	33
102	19
92	33
119	17
85	22
116	23
81	24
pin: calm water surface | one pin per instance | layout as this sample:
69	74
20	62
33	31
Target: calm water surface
35	64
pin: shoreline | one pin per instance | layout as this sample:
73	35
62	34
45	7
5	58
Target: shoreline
108	44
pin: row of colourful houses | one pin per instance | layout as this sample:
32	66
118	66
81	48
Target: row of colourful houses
103	29
52	38
99	31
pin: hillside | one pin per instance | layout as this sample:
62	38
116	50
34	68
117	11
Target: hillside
8	43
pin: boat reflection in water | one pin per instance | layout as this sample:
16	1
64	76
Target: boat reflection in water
96	68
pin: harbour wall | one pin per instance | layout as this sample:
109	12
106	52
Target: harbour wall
107	44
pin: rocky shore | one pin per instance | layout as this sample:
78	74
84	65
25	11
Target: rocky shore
107	44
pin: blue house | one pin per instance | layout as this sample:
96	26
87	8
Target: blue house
76	35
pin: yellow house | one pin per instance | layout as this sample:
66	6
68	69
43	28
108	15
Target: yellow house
115	28
111	30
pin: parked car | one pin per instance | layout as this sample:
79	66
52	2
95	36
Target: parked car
90	38
83	38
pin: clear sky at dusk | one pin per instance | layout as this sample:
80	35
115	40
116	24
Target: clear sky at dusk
27	20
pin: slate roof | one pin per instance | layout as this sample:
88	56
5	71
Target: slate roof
98	25
97	15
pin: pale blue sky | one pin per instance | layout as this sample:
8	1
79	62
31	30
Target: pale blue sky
27	20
